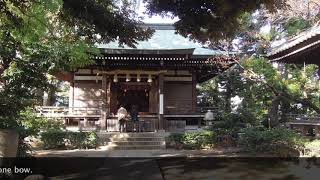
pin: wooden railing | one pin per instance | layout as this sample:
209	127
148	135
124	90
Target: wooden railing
147	123
302	117
60	112
204	109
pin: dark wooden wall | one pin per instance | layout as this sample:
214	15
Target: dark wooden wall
178	97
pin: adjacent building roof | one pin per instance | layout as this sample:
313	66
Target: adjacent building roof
303	48
164	39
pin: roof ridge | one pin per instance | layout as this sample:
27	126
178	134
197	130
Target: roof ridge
159	26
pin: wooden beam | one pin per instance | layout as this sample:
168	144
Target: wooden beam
194	94
104	102
87	78
178	78
71	94
132	72
83	71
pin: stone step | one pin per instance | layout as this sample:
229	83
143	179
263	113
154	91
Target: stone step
136	147
132	141
138	139
104	141
143	134
136	143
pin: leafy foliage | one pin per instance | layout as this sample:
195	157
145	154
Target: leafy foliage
34	125
267	92
279	141
209	20
94	18
193	140
295	25
56	139
45	37
312	148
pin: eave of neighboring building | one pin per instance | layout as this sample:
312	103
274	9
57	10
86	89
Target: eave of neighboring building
300	49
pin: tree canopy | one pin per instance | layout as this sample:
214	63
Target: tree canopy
208	20
38	37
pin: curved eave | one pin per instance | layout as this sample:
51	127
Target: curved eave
305	53
293	48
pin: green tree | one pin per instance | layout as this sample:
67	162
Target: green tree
38	37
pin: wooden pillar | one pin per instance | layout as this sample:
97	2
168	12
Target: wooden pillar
305	129
161	103
104	107
45	101
71	95
79	125
85	123
317	129
194	94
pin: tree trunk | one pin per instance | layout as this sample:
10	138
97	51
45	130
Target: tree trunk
273	111
228	97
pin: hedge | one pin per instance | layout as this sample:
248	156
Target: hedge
192	140
69	140
277	141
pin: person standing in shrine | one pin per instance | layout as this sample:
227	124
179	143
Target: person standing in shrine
134	117
122	118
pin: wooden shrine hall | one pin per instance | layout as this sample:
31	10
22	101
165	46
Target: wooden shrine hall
159	76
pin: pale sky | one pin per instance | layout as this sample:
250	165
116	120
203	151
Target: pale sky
154	19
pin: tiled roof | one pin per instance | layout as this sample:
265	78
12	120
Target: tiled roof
165	38
291	43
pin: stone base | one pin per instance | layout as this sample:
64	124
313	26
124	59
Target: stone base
9	143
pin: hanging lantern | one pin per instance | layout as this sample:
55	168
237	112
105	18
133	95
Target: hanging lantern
127	77
138	78
149	78
115	78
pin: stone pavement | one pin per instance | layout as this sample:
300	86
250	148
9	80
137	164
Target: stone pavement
177	164
230	152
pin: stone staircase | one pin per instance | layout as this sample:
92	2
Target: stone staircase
133	141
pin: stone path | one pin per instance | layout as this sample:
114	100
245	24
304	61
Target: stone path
231	152
177	164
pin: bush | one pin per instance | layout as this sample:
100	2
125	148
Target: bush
230	124
69	140
193	140
53	139
278	141
312	148
33	124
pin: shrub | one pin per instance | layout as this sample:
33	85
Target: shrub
278	141
33	124
193	140
312	148
82	140
53	139
69	140
229	124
